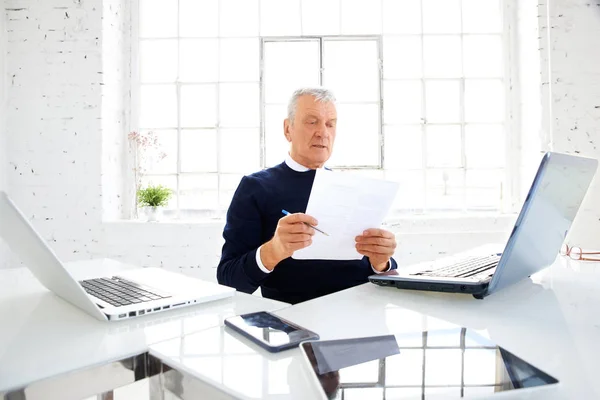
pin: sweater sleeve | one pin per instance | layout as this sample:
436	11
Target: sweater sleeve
242	234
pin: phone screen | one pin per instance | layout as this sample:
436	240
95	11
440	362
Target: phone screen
270	329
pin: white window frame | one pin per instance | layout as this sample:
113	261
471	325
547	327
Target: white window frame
322	39
511	193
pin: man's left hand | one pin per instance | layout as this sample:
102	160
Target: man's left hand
378	245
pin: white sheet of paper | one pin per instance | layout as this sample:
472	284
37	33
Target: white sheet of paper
345	205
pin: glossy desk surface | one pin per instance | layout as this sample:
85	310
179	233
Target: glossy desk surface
551	320
42	336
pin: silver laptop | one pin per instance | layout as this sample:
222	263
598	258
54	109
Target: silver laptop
131	293
554	198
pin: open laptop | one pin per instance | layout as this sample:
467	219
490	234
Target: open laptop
131	293
553	200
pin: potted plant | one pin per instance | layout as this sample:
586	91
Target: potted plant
152	199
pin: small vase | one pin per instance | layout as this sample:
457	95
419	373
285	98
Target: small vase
153	214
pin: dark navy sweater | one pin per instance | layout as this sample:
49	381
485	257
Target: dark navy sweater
251	221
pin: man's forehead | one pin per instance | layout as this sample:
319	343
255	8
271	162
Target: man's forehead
323	109
320	111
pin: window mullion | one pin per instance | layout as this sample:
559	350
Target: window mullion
423	118
178	99
463	156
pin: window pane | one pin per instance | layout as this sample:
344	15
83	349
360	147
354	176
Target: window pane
479	391
440	393
365	372
280	17
198	18
198	106
363	393
484	146
482	55
158	106
239	105
442	56
482	16
442	101
405	369
441	16
239	52
289	66
402	101
276	146
401	16
239	18
443	334
158	60
402	57
239	150
403	147
170	182
160	156
352	69
199	150
198	192
157	19
484	189
198	60
484	100
411	190
443	146
227	186
445	191
403	393
357	136
361	17
320	17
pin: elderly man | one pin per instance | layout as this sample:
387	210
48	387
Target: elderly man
260	242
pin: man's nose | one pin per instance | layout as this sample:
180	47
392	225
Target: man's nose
321	130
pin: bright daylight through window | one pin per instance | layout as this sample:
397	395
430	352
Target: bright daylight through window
421	88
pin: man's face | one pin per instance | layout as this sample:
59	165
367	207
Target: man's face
312	133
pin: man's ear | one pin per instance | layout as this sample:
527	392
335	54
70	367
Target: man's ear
286	130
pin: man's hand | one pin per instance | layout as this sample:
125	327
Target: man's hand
291	234
378	245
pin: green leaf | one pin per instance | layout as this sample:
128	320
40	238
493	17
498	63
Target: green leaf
154	196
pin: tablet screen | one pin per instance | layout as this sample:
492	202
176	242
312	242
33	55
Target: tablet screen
270	329
447	364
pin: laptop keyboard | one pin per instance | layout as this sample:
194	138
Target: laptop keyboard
120	292
464	269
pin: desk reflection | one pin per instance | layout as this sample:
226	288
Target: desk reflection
454	363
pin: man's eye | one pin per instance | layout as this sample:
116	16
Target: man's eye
312	122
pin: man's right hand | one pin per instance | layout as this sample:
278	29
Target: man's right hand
291	234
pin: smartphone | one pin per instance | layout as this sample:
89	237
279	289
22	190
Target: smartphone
270	331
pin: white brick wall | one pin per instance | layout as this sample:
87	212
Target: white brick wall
116	72
67	121
3	162
54	120
574	37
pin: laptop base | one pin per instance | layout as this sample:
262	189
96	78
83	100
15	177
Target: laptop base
478	290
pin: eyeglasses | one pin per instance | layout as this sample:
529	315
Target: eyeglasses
577	254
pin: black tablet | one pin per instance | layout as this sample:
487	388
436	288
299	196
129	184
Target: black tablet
269	331
434	364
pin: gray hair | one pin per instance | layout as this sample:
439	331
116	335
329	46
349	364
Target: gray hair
320	94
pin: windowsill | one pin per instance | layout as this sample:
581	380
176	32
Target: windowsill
404	224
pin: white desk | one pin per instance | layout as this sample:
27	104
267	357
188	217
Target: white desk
551	320
42	336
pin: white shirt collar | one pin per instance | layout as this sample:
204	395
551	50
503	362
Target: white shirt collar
296	166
